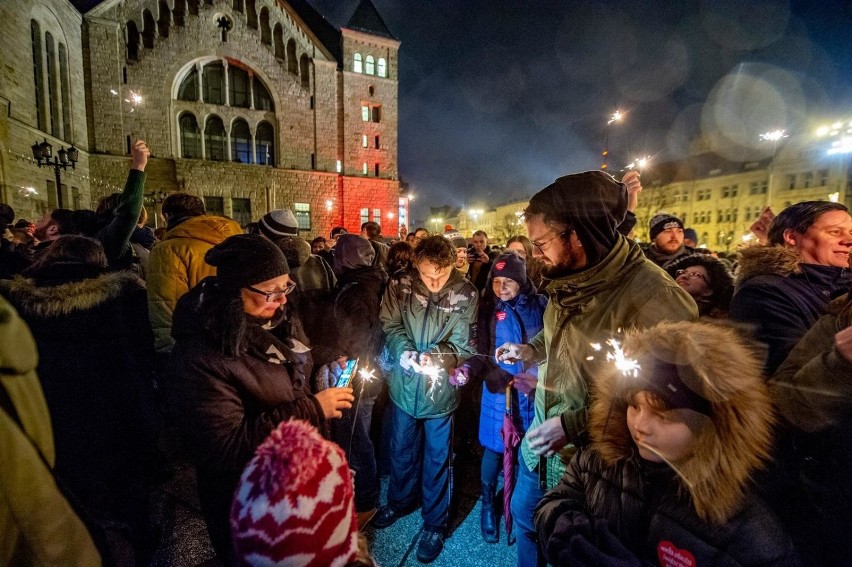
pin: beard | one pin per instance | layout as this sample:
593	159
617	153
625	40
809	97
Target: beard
567	266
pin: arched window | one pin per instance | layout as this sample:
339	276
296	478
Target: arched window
148	26
382	67
357	64
251	14
132	41
179	12
188	89
214	139
190	136
38	75
193	7
278	40
262	98
370	66
238	5
264	144
305	71
65	93
265	31
238	83
214	83
240	141
52	87
165	19
292	62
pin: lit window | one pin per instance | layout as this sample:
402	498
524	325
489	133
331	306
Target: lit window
370	66
382	67
356	63
365	113
365	215
240	142
339	166
377	216
365	168
364	141
303	215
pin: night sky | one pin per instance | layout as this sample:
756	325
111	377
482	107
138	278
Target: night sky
497	99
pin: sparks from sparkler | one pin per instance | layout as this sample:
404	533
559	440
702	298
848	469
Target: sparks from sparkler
628	366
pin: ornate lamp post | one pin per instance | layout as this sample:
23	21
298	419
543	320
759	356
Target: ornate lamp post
44	151
156	198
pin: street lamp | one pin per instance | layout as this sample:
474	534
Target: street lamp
475	213
437	221
772	136
44	151
155	198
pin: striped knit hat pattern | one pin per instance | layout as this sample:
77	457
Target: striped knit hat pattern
295	502
278	224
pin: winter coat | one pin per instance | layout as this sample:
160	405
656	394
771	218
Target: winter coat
95	354
624	291
783	297
115	234
810	486
664	260
515	321
37	525
227	406
176	265
415	319
706	512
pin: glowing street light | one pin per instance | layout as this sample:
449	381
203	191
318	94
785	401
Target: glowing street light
772	136
437	221
834	197
616	116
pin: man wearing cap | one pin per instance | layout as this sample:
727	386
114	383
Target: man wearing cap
666	231
601	284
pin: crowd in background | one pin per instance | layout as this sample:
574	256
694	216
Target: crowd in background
629	403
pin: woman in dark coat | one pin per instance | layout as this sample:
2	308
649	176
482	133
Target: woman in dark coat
233	381
95	348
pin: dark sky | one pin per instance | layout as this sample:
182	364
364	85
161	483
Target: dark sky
497	99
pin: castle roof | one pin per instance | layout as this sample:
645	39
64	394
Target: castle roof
367	19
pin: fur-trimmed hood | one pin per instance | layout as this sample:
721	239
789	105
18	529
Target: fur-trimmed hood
65	298
718	364
763	260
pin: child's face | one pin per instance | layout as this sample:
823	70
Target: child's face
505	288
663	430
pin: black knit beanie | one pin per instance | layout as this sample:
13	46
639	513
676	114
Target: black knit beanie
510	265
246	259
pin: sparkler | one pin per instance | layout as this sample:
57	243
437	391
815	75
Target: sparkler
628	366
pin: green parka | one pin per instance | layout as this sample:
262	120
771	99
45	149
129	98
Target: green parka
442	323
624	291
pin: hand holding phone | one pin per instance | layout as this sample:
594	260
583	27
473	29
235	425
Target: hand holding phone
346	377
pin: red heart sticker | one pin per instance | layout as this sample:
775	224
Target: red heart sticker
501	315
500	265
671	556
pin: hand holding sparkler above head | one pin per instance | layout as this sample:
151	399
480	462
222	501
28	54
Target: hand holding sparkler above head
634	187
139	152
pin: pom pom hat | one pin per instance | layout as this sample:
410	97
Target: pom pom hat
295	502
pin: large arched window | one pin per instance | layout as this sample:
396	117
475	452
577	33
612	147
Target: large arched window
370	65
52	88
148	27
278	40
164	20
215	140
265	31
240	141
190	136
264	144
38	75
65	93
238	83
357	63
382	67
188	89
262	98
292	61
305	71
214	83
132	41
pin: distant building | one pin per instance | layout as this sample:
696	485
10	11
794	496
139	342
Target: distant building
250	104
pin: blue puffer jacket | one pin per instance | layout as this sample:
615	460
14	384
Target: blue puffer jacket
514	321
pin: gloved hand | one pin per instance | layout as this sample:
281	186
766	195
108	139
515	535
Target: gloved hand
525	382
459	376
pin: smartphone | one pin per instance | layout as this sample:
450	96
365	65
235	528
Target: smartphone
348	372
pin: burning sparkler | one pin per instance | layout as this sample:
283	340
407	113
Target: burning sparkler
628	366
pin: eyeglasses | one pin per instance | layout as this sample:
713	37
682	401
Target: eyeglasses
274	295
690	275
540	245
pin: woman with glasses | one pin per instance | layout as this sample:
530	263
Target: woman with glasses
707	280
232	380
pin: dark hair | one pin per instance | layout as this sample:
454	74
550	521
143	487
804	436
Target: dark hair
22	223
318	240
252	228
69	249
435	249
419	228
86	222
106	205
338	230
372	229
481	233
799	218
7	214
400	255
64	221
525	242
178	205
222	315
721	281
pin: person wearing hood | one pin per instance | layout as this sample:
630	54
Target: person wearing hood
176	264
95	359
600	283
709	282
784	286
428	317
232	380
678	429
510	311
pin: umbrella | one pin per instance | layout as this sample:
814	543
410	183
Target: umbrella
511	440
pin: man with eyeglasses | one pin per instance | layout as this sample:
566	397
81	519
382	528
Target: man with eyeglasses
600	284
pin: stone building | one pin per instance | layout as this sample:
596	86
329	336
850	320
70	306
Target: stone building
250	104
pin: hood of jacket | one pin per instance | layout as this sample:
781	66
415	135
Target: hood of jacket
65	298
765	260
207	228
720	365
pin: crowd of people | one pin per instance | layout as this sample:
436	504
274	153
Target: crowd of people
631	403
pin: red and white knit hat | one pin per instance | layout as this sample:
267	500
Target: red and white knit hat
294	505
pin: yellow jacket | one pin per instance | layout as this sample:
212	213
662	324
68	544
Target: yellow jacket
177	264
37	525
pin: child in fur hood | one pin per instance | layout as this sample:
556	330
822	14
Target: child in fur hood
675	443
